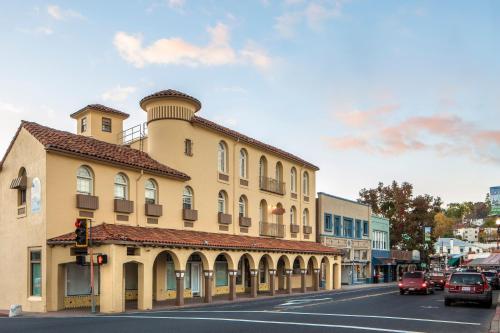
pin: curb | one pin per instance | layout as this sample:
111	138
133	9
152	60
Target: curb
495	322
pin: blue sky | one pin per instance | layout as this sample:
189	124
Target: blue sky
368	90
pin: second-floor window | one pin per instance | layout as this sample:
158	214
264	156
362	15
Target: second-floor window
106	125
222	157
263	211
305	184
84	181
121	187
293	180
151	192
21	192
305	217
365	228
188	147
358	229
348	226
221	202
328	222
83	125
279	172
243	164
242	206
293	215
337	227
187	198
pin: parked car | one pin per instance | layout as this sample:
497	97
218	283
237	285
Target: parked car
439	279
492	278
416	282
467	287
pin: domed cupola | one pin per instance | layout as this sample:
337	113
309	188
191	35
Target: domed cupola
170	104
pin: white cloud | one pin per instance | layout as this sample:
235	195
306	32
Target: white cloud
10	108
44	31
62	14
176	3
316	14
177	51
118	93
286	23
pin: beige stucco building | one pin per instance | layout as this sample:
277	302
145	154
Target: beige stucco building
183	207
345	224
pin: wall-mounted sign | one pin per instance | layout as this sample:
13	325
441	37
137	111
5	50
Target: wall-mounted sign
36	195
495	200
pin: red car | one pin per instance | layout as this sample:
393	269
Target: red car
439	280
415	282
467	287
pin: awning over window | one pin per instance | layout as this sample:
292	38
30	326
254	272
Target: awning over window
377	261
19	183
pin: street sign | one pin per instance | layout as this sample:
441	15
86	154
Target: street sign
495	200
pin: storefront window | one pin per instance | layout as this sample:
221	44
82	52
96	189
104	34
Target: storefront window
78	280
187	277
36	273
262	272
239	276
221	278
171	280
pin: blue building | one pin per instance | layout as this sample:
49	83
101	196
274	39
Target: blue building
381	249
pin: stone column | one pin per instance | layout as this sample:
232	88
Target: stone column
253	283
288	274
208	285
232	285
179	294
272	288
316	273
145	282
303	273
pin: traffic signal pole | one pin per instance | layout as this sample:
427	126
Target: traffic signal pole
91	252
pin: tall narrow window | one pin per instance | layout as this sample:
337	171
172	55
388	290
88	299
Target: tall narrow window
242	206
84	181
221	207
263	211
358	229
83	125
243	163
305	185
279	172
293	215
121	187
328	222
262	167
106	125
21	190
188	147
35	273
187	198
305	217
293	180
150	191
262	271
365	228
222	157
337	226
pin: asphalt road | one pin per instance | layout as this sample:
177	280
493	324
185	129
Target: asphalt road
379	309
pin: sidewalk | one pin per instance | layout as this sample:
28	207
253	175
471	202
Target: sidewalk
86	311
495	322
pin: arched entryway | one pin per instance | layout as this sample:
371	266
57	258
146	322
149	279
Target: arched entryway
166	273
284	275
326	274
131	284
246	276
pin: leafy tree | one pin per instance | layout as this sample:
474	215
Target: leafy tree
443	225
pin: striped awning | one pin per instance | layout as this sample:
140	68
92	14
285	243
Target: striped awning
19	183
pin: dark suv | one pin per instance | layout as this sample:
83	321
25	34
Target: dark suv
492	278
467	287
416	282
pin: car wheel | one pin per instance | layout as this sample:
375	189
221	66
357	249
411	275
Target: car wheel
401	292
447	302
487	304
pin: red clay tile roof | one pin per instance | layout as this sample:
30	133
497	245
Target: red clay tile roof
172	93
89	148
243	138
102	108
114	233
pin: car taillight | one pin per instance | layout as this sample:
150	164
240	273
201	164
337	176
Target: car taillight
447	284
400	284
442	281
424	285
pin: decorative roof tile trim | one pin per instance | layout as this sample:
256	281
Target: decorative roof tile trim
172	93
92	149
123	234
236	135
102	108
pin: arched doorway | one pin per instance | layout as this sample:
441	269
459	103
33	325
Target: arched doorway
246	272
131	285
284	275
165	269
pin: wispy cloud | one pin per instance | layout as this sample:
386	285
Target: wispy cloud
177	4
118	93
444	134
61	14
9	108
357	118
177	51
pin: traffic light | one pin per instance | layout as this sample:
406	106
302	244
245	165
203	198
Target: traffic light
102	259
81	233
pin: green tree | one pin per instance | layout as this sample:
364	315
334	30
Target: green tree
443	225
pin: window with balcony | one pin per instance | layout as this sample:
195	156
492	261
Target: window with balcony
187	198
293	215
243	164
222	202
121	187
305	217
263	211
151	192
242	206
222	157
262	167
293	180
84	181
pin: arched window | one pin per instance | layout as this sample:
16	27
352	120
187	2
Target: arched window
222	157
293	215
242	206
263	211
243	163
84	181
293	180
279	172
222	202
305	185
187	198
279	213
262	168
21	190
121	187
305	217
151	191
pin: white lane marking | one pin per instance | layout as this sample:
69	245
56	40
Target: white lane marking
339	300
336	315
363	328
303	301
